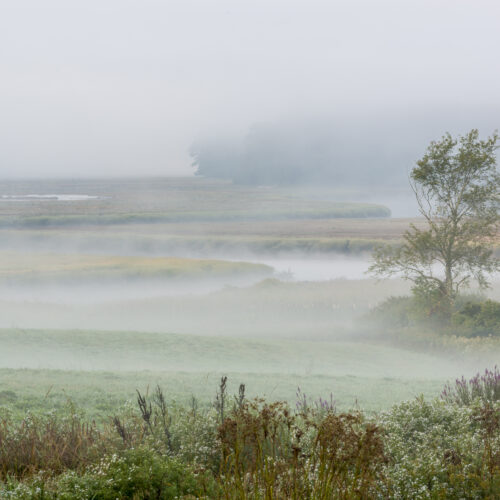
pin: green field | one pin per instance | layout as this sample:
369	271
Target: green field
93	369
102	393
94	350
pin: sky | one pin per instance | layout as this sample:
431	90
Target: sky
123	87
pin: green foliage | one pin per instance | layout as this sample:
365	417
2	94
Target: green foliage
438	450
468	317
136	473
477	319
188	434
457	187
404	312
419	449
397	312
139	474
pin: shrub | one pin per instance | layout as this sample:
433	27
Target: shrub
394	312
438	450
478	318
136	473
132	474
469	316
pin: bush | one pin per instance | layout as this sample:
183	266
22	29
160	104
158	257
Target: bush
438	450
469	317
136	473
187	434
132	474
478	319
398	312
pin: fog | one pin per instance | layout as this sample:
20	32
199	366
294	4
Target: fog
192	187
348	151
90	88
296	327
99	294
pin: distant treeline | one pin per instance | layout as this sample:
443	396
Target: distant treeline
343	152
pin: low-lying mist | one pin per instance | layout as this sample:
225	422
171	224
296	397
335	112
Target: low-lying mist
136	281
271	307
289	314
127	351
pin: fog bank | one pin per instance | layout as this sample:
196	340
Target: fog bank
124	87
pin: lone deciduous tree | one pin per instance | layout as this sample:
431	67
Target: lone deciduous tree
457	188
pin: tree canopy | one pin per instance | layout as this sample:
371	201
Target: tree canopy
313	152
457	187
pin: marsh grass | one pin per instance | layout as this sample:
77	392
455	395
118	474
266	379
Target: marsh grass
164	200
334	210
264	237
23	268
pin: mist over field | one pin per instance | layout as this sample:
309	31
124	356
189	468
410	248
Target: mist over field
222	169
266	265
249	248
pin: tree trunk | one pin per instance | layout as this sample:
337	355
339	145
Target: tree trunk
448	282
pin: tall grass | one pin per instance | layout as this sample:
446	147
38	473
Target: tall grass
241	449
270	452
54	443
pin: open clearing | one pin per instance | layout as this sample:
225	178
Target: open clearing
46	368
101	393
93	350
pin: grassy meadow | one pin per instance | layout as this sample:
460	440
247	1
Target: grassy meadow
100	394
134	280
168	287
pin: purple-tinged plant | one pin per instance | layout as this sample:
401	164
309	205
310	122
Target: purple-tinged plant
485	387
322	405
